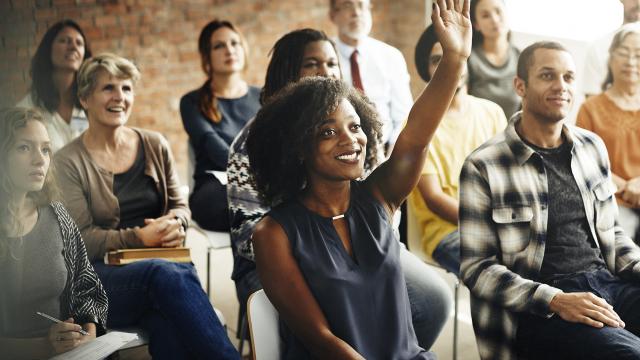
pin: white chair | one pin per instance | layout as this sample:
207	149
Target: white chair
414	241
263	327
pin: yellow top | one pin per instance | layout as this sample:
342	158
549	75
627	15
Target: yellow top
456	137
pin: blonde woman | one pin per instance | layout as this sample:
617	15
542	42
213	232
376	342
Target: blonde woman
121	187
43	262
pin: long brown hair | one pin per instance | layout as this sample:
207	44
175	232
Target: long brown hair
43	92
11	120
207	102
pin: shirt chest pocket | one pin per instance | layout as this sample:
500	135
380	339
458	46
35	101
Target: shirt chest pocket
605	209
513	225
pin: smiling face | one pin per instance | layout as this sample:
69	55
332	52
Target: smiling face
352	17
67	50
110	102
29	157
320	59
490	19
624	61
227	54
340	148
548	94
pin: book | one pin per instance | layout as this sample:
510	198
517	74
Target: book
128	256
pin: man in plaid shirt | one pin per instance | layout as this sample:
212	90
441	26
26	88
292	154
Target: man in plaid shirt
550	272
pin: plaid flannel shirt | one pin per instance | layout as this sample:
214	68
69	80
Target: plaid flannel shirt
503	227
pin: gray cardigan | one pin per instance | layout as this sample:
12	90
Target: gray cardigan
88	193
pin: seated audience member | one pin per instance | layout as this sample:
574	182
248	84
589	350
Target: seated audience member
595	64
296	55
492	64
120	186
213	115
43	261
615	116
327	253
550	273
469	122
53	82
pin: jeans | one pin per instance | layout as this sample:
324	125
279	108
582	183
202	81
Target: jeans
429	296
555	338
167	301
447	253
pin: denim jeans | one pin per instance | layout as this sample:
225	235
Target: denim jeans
447	253
555	338
429	296
167	301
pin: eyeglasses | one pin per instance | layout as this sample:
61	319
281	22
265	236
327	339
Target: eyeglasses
626	54
353	5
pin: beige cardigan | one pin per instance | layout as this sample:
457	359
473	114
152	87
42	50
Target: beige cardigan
88	193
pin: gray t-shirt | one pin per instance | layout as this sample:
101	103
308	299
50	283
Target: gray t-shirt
494	83
32	278
569	247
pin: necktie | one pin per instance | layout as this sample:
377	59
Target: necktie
355	71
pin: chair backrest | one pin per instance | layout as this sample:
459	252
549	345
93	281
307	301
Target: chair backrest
263	327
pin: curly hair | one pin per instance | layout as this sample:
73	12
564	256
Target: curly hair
284	133
11	120
43	92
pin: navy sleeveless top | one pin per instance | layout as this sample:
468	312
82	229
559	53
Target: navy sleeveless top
364	298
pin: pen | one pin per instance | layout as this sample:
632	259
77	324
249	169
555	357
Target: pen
81	331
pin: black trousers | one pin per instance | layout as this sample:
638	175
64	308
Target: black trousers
208	204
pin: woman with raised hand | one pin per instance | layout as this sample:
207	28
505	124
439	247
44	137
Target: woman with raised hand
494	59
327	255
213	115
43	261
615	116
121	187
53	82
296	55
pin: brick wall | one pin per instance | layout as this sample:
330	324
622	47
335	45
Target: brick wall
161	37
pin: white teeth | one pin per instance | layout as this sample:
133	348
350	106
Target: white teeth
116	109
351	156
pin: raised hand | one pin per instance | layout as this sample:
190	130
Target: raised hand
452	24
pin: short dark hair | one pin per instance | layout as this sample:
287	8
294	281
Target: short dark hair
285	130
286	59
526	56
44	93
423	52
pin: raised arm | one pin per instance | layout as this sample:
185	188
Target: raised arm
394	179
287	289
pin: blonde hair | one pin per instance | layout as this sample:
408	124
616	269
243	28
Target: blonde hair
11	120
115	65
618	38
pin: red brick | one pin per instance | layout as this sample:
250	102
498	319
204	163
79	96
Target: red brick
106	20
